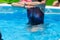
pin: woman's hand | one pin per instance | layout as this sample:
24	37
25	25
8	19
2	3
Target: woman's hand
32	3
29	6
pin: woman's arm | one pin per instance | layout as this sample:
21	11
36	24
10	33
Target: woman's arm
18	4
29	6
43	1
26	4
32	3
36	2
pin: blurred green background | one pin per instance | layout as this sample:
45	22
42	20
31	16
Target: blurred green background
48	2
8	1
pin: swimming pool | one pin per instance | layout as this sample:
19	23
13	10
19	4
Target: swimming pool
52	10
13	25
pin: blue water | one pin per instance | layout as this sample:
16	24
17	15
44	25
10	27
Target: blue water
13	25
52	10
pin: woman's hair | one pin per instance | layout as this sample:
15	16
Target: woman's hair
39	0
59	1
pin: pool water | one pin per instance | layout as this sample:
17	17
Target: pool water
52	10
13	25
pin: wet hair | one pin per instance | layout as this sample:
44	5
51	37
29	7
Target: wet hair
39	0
59	1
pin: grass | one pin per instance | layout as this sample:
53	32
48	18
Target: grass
8	1
49	2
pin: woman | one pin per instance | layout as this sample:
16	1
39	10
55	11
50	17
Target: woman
33	11
34	14
57	3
